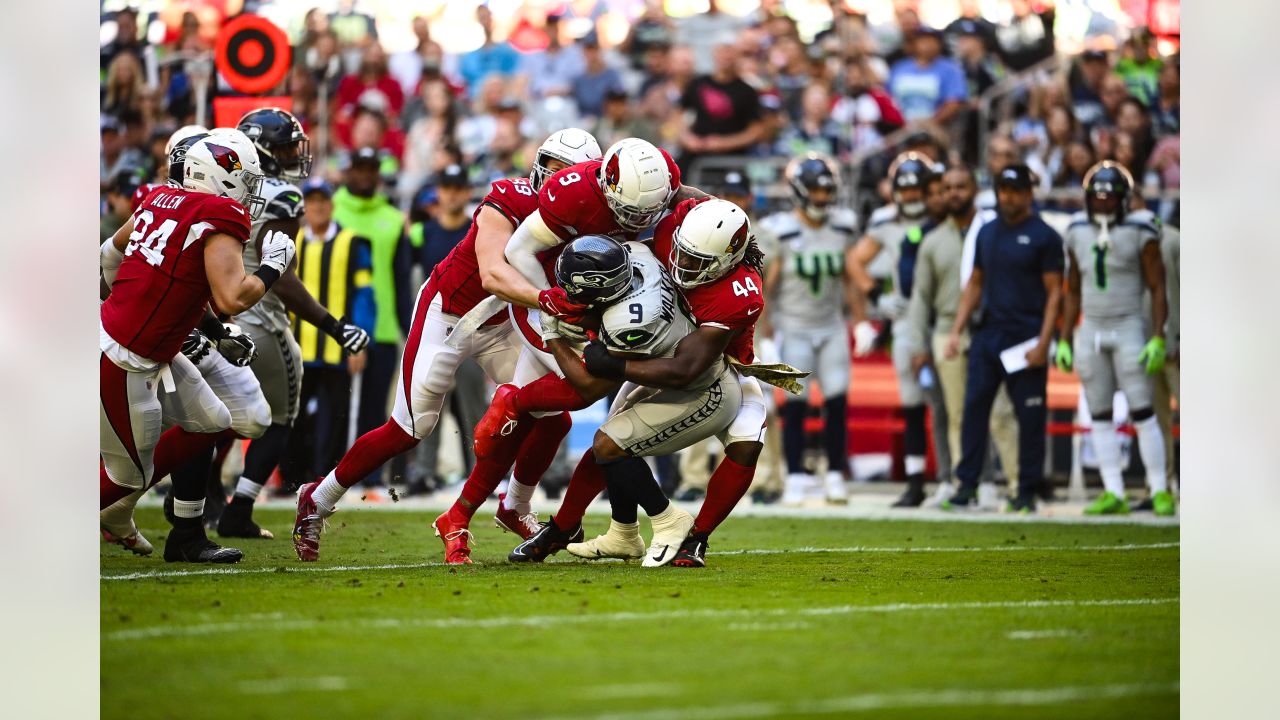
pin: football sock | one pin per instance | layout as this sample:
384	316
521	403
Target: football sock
834	429
1106	444
793	414
914	440
726	487
1151	445
585	485
370	451
538	451
327	494
264	454
548	393
178	446
247	489
622	505
633	473
480	484
192	474
518	496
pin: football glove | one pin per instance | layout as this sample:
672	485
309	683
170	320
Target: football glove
553	327
277	251
864	338
601	364
350	336
196	347
556	302
237	347
1153	355
1062	356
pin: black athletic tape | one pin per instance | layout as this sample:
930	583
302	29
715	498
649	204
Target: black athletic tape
268	275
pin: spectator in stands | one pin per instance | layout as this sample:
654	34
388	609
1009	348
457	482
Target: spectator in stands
116	155
125	85
353	28
788	68
120	190
726	111
867	110
491	58
816	131
653	29
655	69
370	88
1077	160
1047	160
127	41
1166	110
1029	131
370	128
553	71
972	51
434	128
1027	38
1085	80
594	80
1134	120
619	120
1166	163
1139	66
706	31
476	131
1114	93
907	26
1017	281
1002	152
926	86
424	61
971	23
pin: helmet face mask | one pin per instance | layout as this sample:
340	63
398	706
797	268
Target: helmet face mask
284	150
636	183
1108	187
225	163
815	184
711	241
910	173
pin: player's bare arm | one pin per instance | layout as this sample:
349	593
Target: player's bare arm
772	274
233	290
1071	298
289	287
969	300
695	353
1153	274
497	276
687	192
860	282
591	388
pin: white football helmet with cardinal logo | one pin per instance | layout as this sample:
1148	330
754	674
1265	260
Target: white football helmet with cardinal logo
710	242
636	183
225	163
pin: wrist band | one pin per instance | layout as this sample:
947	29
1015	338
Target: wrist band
212	328
330	326
268	275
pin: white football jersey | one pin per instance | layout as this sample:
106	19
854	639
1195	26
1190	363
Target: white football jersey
283	202
650	320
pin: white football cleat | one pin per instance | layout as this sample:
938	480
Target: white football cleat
670	528
988	497
134	541
836	492
941	495
798	488
621	541
116	523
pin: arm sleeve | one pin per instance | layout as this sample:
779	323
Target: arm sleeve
532	237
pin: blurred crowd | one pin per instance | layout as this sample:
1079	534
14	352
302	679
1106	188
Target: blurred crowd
990	84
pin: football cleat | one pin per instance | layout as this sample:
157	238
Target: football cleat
307	525
940	495
964	498
457	540
1022	505
237	521
1108	503
798	488
912	497
1163	504
513	522
620	541
692	553
836	491
547	541
134	542
498	421
194	546
670	529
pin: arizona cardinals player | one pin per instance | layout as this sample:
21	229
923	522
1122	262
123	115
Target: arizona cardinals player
462	282
180	251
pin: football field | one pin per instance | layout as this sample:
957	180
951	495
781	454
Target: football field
795	616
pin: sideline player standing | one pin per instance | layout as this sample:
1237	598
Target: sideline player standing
1113	256
807	285
181	249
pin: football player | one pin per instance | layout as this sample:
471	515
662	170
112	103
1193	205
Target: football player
898	237
1113	256
808	284
181	249
461	285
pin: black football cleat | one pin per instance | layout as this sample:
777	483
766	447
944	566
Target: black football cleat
692	553
965	498
236	521
548	541
1023	504
1145	505
194	546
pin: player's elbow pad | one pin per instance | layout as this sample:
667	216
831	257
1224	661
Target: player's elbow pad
111	259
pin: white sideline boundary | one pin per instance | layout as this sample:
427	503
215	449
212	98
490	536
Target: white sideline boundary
299	568
502	621
955	697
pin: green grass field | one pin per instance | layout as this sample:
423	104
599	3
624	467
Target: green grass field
897	619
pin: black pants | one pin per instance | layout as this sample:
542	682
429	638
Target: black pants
375	390
319	437
1027	390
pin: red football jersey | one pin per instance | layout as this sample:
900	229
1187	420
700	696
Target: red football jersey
161	289
457	277
141	194
732	302
572	203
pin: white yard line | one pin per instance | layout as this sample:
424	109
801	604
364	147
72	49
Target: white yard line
892	701
500	621
1040	634
278	686
300	567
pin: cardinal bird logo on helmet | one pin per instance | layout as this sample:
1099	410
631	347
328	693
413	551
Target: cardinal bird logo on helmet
738	240
612	173
225	157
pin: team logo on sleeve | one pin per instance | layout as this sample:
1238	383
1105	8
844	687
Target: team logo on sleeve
226	158
612	174
738	240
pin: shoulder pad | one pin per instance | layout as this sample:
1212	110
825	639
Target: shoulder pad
284	201
844	220
880	215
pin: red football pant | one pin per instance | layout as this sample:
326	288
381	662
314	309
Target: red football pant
727	485
585	485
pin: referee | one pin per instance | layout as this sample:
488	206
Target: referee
1017	283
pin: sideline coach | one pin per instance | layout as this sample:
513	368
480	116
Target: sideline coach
1017	278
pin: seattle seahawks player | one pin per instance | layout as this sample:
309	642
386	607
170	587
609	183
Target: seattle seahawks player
1113	256
647	321
807	286
284	151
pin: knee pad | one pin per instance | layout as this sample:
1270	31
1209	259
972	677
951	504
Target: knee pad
255	422
1143	414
